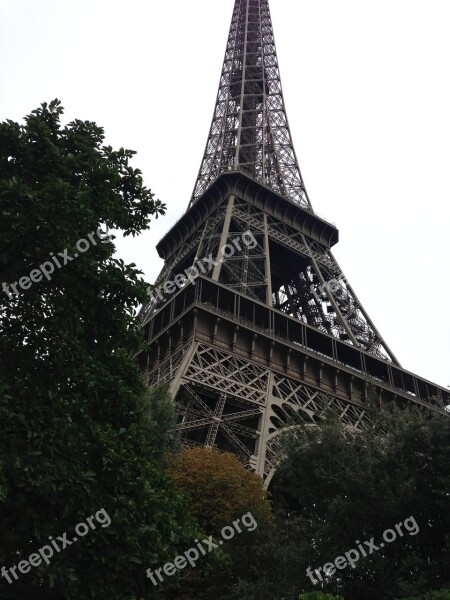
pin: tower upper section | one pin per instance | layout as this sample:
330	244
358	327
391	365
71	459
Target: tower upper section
250	131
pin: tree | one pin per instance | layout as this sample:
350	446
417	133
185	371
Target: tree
221	491
219	487
440	595
319	596
78	431
336	491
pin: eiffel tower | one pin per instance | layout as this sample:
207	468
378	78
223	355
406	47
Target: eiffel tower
252	320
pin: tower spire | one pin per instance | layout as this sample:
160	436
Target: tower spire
252	320
250	130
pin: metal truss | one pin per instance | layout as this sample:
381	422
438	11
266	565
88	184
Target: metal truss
226	373
250	130
288	270
285	269
250	133
226	400
204	242
296	400
273	334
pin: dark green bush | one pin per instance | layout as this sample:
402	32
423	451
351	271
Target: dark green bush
438	595
319	596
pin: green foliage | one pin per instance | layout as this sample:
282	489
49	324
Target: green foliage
78	430
221	490
319	596
335	488
440	595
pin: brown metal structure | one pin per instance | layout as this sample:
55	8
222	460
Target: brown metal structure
250	130
252	319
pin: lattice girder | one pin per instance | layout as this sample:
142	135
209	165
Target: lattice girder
250	130
271	331
284	267
223	399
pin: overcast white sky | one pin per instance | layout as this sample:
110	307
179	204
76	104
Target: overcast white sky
367	90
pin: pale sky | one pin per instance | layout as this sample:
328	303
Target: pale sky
367	92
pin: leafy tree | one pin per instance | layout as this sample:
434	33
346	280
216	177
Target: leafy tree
78	431
440	595
221	490
335	490
319	596
219	487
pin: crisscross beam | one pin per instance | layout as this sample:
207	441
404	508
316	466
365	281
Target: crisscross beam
250	130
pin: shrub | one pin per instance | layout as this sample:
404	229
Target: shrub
438	595
319	596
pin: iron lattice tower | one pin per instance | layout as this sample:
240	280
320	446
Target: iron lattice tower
253	320
250	130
